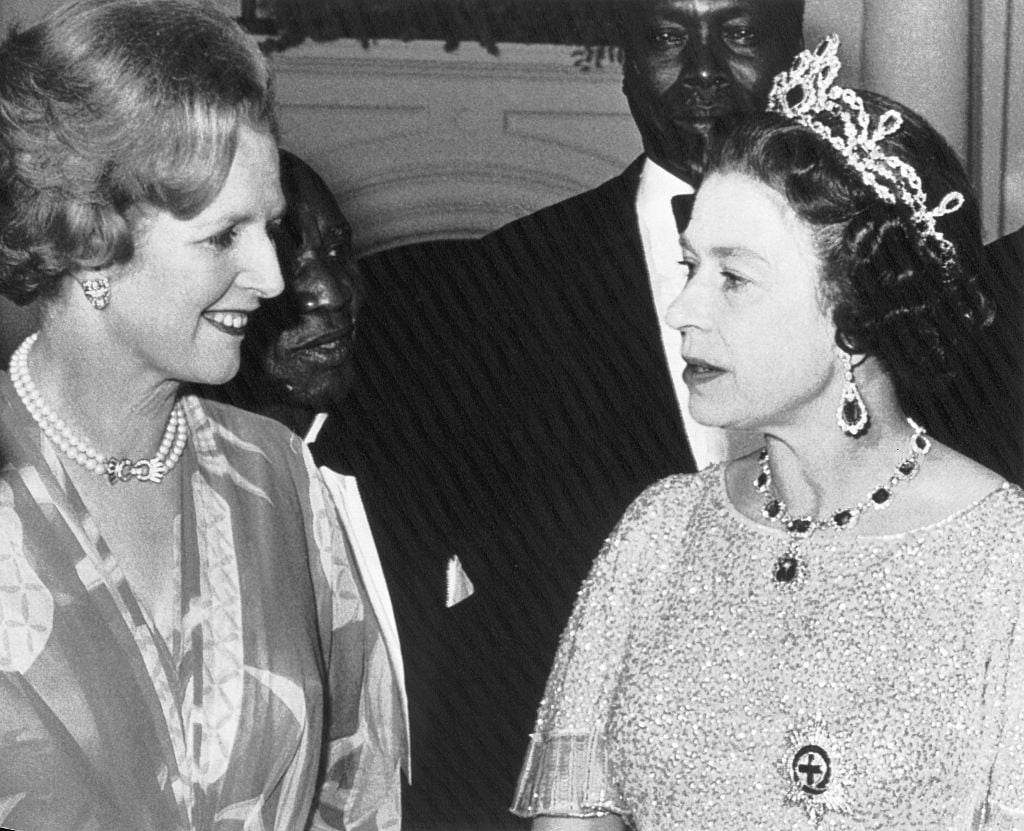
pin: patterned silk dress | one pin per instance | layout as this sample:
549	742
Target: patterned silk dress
271	704
885	690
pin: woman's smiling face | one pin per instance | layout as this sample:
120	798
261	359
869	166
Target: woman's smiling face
757	338
179	308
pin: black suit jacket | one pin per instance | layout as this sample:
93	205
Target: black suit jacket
1000	361
980	409
512	399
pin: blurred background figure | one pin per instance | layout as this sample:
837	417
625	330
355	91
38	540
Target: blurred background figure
764	623
187	640
1000	367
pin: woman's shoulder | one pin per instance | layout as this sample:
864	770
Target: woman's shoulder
672	495
683	485
990	532
999	512
240	428
960	488
973	510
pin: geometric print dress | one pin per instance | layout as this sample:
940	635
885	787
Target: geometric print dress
271	704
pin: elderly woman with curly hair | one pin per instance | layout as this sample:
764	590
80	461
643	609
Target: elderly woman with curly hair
825	633
184	640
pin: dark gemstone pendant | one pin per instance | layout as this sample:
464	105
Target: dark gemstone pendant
851	411
762	481
881	496
786	569
799	526
842	518
908	467
773	509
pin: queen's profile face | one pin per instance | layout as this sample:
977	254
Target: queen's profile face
757	337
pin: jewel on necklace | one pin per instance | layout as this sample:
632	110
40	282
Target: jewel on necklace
881	497
78	450
786	569
802	526
789	567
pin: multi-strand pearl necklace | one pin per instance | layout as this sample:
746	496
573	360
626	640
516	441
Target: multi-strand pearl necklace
787	567
116	470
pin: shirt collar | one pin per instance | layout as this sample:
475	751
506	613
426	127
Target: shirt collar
314	428
657	187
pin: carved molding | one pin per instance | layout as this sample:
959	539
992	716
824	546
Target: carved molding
418	144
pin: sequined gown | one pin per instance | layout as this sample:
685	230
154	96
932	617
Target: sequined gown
886	691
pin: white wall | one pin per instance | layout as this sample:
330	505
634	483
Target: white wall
999	111
418	143
26	11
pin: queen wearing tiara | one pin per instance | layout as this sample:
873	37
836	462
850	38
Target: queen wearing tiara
826	633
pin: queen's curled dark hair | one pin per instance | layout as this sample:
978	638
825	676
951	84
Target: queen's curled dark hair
892	293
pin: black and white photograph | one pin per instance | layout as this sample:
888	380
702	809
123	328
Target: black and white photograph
492	415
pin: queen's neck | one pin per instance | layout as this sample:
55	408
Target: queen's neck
816	468
817	471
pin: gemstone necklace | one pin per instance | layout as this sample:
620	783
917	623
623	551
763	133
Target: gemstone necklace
80	451
789	566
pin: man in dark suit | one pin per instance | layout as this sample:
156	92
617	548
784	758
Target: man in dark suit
514	395
1002	349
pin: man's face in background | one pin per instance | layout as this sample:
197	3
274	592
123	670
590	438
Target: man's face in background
694	66
303	339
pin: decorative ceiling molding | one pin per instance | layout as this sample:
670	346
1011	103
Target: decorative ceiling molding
418	145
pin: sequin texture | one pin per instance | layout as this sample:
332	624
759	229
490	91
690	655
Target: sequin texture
715	700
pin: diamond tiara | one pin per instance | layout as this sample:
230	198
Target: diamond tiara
808	91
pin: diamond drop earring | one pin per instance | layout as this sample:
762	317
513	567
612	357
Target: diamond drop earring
852	414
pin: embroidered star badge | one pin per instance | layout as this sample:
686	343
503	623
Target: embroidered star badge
814	769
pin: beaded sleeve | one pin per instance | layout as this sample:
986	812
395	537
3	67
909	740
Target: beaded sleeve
567	770
1005	802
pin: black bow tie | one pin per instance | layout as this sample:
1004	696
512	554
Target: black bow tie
682	207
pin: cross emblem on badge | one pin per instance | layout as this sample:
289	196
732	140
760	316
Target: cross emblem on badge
812	769
810	766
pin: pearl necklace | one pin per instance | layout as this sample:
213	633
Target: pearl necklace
789	566
116	470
